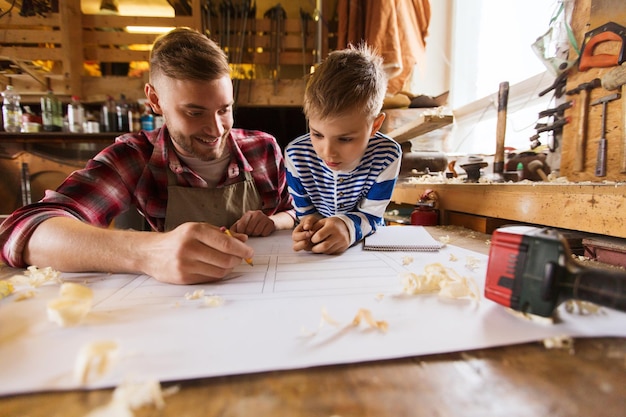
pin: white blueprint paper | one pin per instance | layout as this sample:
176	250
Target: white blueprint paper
270	319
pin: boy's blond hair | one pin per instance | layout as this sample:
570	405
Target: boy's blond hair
347	80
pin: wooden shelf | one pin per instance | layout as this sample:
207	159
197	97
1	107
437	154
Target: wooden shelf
57	137
593	208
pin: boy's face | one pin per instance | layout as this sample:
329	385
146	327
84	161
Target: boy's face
341	141
198	114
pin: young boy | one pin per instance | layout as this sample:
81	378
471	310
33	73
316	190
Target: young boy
341	174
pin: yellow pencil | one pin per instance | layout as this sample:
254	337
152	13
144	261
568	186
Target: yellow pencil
248	260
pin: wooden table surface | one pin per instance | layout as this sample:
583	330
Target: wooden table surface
588	379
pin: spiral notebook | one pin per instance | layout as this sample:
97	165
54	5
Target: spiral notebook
402	238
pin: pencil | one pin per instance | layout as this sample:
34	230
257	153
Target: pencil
248	260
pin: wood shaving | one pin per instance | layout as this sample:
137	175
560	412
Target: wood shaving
407	260
196	295
366	315
453	258
444	281
559	342
583	308
72	306
362	314
24	295
131	395
472	263
213	301
6	289
94	360
445	240
36	277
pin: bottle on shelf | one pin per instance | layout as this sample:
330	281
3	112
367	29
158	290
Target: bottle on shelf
108	116
11	110
147	118
51	112
76	115
124	114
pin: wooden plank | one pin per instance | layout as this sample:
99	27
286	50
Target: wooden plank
33	54
43	35
115	55
106	21
264	93
15	21
72	40
423	124
95	37
594	208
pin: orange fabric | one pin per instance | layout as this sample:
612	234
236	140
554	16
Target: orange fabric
396	28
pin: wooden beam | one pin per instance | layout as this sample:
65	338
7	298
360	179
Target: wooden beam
71	34
597	208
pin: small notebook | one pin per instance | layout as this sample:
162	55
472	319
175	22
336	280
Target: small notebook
402	238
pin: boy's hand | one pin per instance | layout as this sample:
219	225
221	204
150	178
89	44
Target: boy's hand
321	235
302	233
332	236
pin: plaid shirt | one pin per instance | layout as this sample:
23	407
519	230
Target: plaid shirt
133	171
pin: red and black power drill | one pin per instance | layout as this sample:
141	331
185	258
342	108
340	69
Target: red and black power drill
531	270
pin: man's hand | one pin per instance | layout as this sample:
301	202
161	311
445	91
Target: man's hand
195	253
254	223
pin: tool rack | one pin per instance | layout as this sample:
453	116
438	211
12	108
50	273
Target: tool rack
52	49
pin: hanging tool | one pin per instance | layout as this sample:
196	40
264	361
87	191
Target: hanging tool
583	109
531	270
602	144
612	80
498	159
208	12
277	15
558	86
244	12
610	31
304	22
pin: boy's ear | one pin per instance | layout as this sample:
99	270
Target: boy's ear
378	122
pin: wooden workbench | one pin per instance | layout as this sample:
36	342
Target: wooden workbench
587	207
523	380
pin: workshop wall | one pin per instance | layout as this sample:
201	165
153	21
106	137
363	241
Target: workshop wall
589	15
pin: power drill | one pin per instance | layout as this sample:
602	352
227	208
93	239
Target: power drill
531	270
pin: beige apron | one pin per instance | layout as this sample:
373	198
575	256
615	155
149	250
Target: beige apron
218	206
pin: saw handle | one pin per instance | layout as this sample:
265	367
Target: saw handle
589	60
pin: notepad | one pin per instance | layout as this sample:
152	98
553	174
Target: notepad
402	238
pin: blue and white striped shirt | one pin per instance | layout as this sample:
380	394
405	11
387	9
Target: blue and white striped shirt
358	197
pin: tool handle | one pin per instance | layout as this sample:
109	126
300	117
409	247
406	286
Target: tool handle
602	287
503	100
589	60
581	137
601	158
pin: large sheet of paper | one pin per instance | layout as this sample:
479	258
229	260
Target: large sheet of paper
270	319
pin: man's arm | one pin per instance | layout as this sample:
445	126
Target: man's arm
191	253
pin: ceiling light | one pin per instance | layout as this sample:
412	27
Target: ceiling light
109	7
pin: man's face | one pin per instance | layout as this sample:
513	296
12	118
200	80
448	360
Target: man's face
341	141
199	114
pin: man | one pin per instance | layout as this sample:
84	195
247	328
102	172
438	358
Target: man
188	179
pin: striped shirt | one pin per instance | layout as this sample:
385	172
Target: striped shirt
133	170
358	197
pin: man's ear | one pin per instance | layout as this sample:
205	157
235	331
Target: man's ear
153	98
378	122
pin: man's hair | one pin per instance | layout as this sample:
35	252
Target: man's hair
347	80
186	54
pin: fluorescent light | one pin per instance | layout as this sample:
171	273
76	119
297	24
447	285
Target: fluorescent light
149	29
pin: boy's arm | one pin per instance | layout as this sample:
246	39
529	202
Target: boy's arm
371	210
